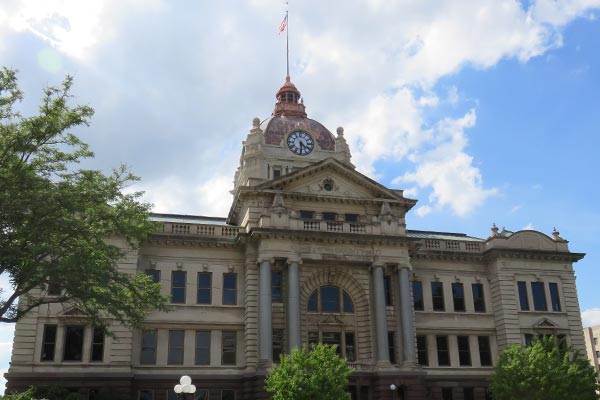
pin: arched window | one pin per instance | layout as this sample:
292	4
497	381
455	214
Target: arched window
330	299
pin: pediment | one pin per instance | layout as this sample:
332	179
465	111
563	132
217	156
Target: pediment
333	178
72	312
545	323
531	240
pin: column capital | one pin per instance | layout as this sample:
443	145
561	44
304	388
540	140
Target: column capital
294	260
406	266
270	260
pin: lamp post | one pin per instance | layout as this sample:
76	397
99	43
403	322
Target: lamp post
394	390
185	386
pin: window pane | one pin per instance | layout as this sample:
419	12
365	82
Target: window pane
178	287
478	299
307	214
464	352
73	343
329	216
313	338
469	393
392	347
312	302
227	394
333	338
485	353
350	349
277	344
204	287
437	296
417	288
276	287
97	353
422	355
229	347
330	299
201	394
442	350
458	295
148	347
447	393
554	297
523	300
175	356
230	289
539	296
351	217
154	274
49	343
387	290
203	348
528	339
348	307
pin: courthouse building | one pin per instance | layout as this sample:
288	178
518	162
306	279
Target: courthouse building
312	251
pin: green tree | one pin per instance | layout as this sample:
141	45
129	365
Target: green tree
61	228
545	370
310	375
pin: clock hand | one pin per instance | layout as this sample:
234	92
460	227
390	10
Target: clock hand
302	146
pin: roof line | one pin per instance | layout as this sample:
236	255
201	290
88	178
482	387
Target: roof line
198	217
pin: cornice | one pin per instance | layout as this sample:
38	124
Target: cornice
525	254
168	240
447	256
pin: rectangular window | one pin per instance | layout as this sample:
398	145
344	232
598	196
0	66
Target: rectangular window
228	348
97	344
392	347
539	296
178	280
148	356
442	351
277	344
595	341
417	287
48	343
201	394
562	342
422	355
469	393
147	394
171	395
387	286
204	288
437	296
464	352
485	352
554	297
230	289
351	217
333	338
276	173
447	393
202	348
478	299
350	347
313	338
154	274
528	339
73	343
176	339
458	295
523	300
329	216
276	287
307	214
227	394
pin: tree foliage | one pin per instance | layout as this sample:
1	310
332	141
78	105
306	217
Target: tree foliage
545	370
310	375
56	220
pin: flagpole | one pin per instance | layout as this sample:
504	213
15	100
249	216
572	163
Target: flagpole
287	40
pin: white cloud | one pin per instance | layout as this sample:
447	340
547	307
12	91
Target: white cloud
528	227
590	317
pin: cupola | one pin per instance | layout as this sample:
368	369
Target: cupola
289	102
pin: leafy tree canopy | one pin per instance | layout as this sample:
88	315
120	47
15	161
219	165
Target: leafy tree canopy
545	370
57	222
310	375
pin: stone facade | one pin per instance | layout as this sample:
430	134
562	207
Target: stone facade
312	251
591	337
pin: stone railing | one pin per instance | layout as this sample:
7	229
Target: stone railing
360	367
204	230
336	226
451	245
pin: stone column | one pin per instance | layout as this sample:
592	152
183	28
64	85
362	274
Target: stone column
381	332
265	326
293	305
406	316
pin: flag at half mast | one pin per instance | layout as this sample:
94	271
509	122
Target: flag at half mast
283	24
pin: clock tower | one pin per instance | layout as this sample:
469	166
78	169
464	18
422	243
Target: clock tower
286	142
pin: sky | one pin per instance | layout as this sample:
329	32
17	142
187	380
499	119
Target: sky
486	111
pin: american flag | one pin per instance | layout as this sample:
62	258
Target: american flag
283	24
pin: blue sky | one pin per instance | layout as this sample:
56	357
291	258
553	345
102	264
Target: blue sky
485	111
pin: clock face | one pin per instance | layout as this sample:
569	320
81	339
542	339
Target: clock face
300	143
